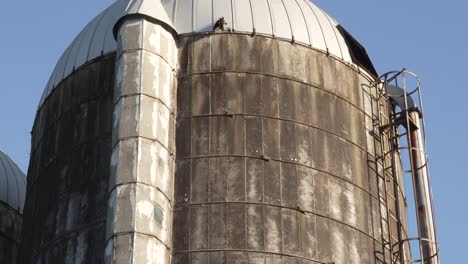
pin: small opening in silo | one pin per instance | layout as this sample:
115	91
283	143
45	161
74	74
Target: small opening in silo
357	51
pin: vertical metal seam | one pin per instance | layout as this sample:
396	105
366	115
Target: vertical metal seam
244	160
140	5
252	14
6	177
289	19
320	24
194	4
212	13
174	18
20	172
271	18
173	12
305	22
108	32
16	175
281	200
71	47
232	17
334	32
263	163
98	24
210	206
141	49
297	187
44	93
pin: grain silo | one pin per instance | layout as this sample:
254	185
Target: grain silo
12	193
227	131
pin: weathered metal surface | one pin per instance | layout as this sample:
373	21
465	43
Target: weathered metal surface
69	170
273	160
12	193
139	222
299	21
267	153
10	233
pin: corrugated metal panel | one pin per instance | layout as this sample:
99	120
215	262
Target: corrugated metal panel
300	19
262	17
183	19
297	19
12	183
223	8
313	26
282	27
203	15
242	15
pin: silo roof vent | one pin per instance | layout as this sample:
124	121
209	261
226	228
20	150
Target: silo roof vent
12	183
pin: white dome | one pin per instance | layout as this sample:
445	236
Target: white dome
294	20
12	183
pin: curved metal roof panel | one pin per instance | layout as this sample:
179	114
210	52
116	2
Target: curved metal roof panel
295	20
12	183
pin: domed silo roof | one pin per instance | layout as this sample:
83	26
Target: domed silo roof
298	21
12	183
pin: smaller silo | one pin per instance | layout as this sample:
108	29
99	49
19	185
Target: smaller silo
12	193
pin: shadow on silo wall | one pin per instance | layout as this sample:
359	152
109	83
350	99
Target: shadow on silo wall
10	234
68	175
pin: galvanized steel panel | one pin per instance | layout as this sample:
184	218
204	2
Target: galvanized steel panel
12	183
262	17
328	31
150	8
203	18
223	8
101	34
169	6
82	56
313	25
184	14
282	27
109	43
3	184
59	69
297	20
75	51
242	15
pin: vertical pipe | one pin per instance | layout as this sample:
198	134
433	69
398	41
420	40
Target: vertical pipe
423	201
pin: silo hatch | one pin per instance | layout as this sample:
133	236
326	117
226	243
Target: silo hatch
358	52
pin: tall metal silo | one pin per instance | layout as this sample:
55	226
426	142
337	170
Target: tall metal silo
12	193
216	132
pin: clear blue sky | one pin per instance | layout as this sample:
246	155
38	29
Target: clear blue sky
427	37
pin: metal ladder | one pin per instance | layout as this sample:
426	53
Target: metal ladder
405	126
385	170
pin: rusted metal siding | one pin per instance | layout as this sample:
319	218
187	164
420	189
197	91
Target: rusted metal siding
68	173
273	162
